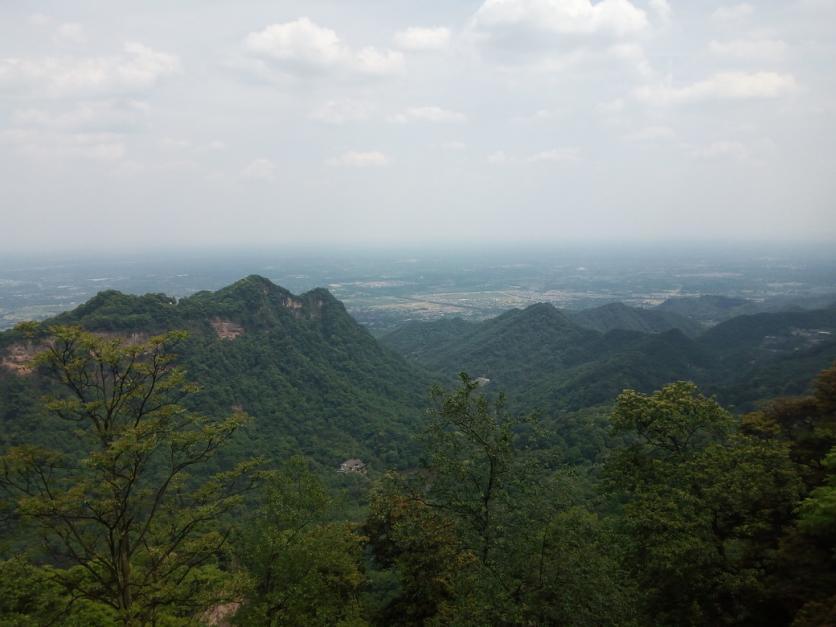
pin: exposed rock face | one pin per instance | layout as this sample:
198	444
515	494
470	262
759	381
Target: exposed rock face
226	329
18	358
221	615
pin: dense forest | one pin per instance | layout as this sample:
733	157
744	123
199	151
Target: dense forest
171	462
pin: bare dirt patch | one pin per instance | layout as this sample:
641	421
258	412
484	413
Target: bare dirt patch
18	358
226	329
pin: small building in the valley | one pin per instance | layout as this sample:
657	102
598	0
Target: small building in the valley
353	465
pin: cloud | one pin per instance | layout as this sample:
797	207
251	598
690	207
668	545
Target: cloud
722	86
103	115
303	48
538	117
722	150
48	146
454	146
71	33
342	111
259	170
610	107
354	159
94	130
498	157
651	134
565	17
634	56
138	68
662	9
759	49
733	12
563	155
417	39
175	144
428	114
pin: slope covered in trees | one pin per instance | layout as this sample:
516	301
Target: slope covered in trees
620	316
661	507
312	379
545	357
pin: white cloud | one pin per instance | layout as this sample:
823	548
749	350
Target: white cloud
39	19
94	130
419	39
302	47
355	159
722	150
428	114
662	9
733	12
651	134
342	111
563	155
610	107
48	146
722	86
175	144
103	115
138	68
760	49
497	157
634	56
259	170
454	146
71	33
539	116
565	17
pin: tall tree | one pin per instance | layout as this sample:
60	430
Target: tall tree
704	506
129	507
483	535
305	568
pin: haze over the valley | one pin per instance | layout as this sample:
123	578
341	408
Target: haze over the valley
138	125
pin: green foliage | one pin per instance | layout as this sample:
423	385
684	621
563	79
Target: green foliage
547	361
703	506
483	535
697	518
123	506
674	421
305	570
620	316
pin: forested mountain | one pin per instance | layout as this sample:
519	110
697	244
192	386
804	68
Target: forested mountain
130	497
710	309
620	316
547	360
314	380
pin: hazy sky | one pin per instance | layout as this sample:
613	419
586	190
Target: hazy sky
209	121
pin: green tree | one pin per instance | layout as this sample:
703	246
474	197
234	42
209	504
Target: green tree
483	534
305	569
127	509
704	506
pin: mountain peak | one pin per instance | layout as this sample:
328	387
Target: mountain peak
545	312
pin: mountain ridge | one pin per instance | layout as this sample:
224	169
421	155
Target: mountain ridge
314	379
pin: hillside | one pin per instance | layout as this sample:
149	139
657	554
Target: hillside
545	359
710	309
314	380
620	316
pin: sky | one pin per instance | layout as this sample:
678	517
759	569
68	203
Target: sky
213	122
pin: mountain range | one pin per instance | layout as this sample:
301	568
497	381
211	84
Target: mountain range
550	360
317	383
